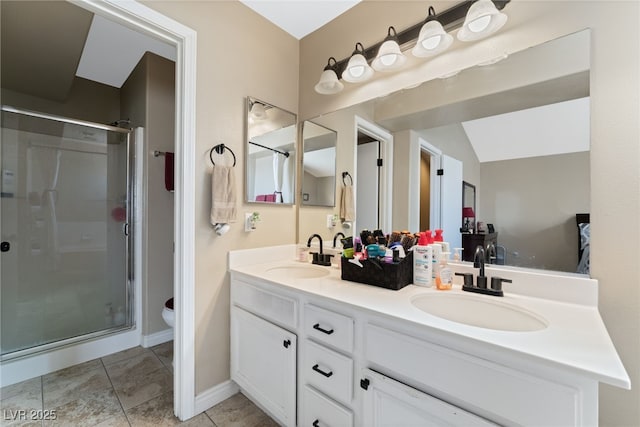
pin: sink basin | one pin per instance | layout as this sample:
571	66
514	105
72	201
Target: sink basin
479	311
298	272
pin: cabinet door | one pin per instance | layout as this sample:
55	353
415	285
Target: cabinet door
390	403
263	363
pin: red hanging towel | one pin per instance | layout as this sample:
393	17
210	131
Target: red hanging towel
168	171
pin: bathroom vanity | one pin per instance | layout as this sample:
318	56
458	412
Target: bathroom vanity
314	350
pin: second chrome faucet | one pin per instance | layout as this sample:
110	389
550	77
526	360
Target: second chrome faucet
319	258
481	281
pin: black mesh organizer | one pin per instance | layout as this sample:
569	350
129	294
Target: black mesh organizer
390	276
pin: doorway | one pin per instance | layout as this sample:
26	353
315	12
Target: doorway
148	21
374	172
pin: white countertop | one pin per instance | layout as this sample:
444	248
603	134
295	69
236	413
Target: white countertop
575	338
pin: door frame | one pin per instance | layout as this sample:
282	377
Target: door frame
386	171
146	20
435	211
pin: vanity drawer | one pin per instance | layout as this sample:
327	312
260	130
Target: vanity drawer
329	327
321	411
328	371
270	306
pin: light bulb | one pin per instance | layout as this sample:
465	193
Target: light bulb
480	24
388	60
432	42
356	71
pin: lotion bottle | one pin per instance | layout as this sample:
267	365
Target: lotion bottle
422	262
444	279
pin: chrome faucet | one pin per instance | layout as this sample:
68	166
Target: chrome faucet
319	239
478	259
478	262
318	257
491	253
335	237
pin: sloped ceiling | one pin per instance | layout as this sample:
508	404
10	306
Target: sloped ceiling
41	46
558	128
300	17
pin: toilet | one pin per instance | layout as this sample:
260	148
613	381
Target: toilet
167	313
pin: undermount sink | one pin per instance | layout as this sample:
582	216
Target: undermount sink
479	311
298	271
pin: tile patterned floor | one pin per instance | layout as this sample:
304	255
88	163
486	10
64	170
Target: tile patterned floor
130	388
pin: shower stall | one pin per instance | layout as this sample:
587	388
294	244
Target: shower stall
66	214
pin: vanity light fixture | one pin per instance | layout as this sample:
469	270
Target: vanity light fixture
433	39
482	20
329	83
389	57
358	69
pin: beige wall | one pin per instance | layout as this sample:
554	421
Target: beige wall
516	197
239	54
80	104
615	152
148	100
453	141
313	219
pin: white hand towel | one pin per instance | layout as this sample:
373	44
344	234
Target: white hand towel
223	195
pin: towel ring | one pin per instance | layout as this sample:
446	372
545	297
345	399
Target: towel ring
344	175
220	150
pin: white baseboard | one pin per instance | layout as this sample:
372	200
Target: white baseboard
157	338
215	395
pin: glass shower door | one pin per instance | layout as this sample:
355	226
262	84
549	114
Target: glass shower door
64	214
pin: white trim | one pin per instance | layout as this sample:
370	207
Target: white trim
386	179
157	338
435	213
139	206
142	18
15	371
215	395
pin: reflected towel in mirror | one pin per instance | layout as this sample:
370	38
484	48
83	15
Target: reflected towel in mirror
223	195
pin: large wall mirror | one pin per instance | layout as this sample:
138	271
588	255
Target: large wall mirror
270	153
318	165
519	132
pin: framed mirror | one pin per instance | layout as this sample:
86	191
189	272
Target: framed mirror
318	165
270	153
468	207
520	132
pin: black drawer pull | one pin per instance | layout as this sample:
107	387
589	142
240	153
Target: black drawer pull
318	328
286	343
320	371
316	423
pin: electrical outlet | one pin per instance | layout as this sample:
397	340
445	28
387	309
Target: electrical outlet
331	221
249	225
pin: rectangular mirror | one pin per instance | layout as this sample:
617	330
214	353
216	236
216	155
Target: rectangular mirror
270	153
318	165
516	130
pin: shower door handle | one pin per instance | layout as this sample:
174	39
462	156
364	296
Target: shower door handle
5	246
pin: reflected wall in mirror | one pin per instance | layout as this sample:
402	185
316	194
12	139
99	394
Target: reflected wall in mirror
520	129
270	153
318	165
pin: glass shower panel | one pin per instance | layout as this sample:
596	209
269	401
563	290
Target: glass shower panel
64	208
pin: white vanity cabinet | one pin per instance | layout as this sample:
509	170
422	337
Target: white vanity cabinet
364	357
263	354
